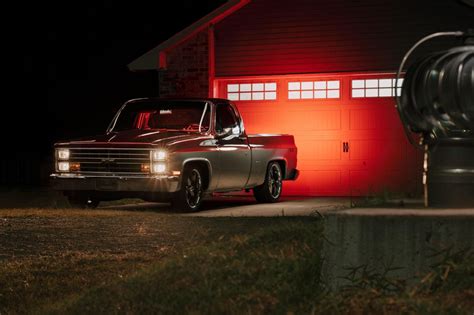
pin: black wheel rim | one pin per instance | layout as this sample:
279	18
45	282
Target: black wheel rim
274	181
193	187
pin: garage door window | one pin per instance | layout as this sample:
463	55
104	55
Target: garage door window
313	89
375	88
252	91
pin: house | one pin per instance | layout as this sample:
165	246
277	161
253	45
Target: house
323	71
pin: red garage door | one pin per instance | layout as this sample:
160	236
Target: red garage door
349	137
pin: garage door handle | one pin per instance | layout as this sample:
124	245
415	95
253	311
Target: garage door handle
345	147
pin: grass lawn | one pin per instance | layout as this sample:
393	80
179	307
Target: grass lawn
130	262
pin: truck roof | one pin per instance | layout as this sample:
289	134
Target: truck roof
179	99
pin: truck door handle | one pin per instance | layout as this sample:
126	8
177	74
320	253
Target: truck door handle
345	147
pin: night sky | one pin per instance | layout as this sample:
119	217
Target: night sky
81	59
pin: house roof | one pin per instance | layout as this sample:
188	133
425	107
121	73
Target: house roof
150	60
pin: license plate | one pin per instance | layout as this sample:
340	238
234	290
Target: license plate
106	184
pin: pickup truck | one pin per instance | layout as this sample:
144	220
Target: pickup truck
177	150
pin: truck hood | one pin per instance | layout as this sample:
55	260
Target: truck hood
137	138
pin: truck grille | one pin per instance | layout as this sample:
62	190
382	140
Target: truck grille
111	161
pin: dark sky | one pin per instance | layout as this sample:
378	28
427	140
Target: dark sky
78	51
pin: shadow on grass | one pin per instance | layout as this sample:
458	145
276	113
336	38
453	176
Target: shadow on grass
32	197
46	198
275	269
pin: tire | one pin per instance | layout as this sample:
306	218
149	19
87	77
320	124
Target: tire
270	190
189	197
83	202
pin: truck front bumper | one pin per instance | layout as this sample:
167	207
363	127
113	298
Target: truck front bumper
77	182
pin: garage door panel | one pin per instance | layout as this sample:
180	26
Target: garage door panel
313	119
377	150
390	181
309	124
311	165
316	183
351	144
373	119
319	150
359	184
260	122
307	121
377	181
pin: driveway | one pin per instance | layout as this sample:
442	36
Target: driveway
243	206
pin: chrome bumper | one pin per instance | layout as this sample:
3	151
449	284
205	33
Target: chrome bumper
75	182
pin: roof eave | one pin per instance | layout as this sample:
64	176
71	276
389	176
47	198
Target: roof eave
150	60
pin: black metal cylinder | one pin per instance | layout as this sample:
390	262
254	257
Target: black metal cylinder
449	173
438	101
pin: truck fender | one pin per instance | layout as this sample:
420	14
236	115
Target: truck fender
191	160
284	167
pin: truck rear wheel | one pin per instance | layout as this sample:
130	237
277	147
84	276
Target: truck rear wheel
270	190
189	197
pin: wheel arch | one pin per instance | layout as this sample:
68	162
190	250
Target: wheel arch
206	166
283	165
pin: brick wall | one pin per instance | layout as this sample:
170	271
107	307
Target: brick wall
187	69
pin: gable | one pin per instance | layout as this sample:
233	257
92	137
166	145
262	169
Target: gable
303	36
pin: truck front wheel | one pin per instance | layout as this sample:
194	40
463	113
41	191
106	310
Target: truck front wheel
270	190
189	197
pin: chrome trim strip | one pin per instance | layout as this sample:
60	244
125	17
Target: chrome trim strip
104	148
202	116
79	176
114	120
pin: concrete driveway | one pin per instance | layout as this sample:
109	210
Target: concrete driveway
239	206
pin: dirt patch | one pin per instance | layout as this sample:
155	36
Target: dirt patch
50	232
43	251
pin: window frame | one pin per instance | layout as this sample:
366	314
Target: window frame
249	88
314	89
233	113
394	90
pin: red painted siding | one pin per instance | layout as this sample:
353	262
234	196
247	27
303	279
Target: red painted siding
307	36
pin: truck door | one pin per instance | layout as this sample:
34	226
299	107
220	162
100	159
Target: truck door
234	150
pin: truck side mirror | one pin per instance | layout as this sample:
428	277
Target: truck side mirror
224	133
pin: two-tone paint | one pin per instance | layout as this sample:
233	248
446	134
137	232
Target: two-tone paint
231	163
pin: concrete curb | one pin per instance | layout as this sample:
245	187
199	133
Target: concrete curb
399	238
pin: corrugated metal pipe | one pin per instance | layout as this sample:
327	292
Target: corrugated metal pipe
437	103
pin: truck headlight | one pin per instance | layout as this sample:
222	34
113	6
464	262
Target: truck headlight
63	154
159	168
63	166
158	155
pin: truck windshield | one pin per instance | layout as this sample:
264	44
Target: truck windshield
170	115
